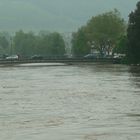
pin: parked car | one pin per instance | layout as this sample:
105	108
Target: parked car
92	55
36	57
119	55
12	57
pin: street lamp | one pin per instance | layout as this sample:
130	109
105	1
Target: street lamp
11	46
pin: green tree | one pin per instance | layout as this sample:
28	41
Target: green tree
121	46
80	45
24	43
27	44
57	46
104	30
133	34
4	45
53	44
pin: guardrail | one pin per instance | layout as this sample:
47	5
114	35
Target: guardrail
67	60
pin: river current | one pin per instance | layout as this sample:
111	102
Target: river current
69	102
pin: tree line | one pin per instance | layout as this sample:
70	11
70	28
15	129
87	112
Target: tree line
106	33
28	44
101	32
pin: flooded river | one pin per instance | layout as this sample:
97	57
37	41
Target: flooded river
70	102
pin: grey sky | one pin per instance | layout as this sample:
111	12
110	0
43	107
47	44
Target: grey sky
56	15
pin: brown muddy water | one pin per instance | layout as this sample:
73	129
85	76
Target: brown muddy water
75	102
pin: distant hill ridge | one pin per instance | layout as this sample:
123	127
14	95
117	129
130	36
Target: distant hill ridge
56	15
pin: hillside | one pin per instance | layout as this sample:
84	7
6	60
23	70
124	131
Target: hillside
56	15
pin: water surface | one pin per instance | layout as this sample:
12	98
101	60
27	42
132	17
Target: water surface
74	102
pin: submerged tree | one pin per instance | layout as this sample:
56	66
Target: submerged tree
133	35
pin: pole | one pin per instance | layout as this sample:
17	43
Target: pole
11	46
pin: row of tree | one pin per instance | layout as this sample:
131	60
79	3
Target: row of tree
108	33
28	44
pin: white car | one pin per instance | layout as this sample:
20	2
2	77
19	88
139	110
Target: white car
12	57
119	55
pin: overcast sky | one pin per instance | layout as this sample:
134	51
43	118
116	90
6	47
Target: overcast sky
56	15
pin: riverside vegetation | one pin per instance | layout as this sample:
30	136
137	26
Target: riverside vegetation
106	33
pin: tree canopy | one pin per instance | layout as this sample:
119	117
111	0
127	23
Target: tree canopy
133	35
104	30
27	44
4	43
79	42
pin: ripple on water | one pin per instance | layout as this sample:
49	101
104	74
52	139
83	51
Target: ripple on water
79	102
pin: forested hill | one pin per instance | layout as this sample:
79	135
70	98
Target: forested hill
55	15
